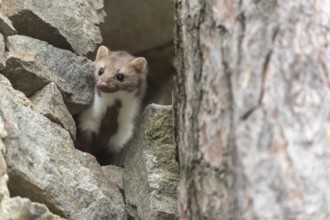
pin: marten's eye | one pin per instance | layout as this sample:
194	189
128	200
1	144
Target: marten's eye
120	77
101	71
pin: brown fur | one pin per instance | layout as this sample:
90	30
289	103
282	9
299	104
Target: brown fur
134	71
120	62
96	144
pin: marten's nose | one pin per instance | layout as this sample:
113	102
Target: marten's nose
102	85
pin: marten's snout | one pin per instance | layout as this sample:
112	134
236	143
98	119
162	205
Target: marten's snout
102	85
106	86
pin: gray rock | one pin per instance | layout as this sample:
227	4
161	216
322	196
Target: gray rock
26	74
43	165
32	64
68	25
16	208
98	5
6	27
114	174
19	96
4	192
2	52
49	102
21	208
151	170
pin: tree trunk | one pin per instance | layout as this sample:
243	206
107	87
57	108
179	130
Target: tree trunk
253	109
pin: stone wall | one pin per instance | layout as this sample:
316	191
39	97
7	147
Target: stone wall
45	79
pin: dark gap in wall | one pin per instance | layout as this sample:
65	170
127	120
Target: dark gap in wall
144	28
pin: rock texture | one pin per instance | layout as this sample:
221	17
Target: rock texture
4	192
44	80
2	52
6	26
49	102
44	166
19	96
114	174
19	208
68	25
16	208
151	170
32	64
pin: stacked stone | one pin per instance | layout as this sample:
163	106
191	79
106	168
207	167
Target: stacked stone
45	79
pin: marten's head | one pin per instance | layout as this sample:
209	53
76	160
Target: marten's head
119	71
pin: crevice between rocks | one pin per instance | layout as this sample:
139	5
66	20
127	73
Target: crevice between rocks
36	28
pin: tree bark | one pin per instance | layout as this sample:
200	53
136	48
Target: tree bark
252	108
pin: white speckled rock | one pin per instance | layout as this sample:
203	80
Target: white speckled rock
151	171
44	166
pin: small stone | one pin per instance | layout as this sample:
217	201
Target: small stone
32	64
49	103
19	96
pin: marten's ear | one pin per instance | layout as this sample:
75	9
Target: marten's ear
140	65
102	52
